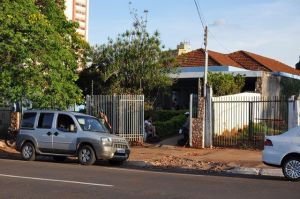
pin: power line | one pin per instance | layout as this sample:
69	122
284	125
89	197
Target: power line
203	23
199	15
212	35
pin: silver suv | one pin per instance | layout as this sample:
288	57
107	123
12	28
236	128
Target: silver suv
61	134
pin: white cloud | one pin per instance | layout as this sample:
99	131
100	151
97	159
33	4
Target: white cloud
218	22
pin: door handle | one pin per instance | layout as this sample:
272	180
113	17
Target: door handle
49	133
56	133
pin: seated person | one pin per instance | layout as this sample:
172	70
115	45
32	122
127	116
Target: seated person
149	128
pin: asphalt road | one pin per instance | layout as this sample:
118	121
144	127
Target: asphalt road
44	179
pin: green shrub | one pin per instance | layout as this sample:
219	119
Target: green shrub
164	115
169	127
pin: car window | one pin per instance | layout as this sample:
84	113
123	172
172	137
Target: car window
45	120
88	123
28	120
64	123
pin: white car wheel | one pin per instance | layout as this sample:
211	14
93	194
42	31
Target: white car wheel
291	169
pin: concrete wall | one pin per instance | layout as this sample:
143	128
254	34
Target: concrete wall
269	85
294	112
231	112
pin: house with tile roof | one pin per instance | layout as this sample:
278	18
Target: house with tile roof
263	75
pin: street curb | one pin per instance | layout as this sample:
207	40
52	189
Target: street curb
236	170
140	164
256	171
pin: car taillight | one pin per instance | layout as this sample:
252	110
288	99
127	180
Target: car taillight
268	142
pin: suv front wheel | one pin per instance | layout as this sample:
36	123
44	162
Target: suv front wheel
28	151
291	169
86	155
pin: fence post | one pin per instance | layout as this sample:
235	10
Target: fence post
208	118
191	121
88	105
293	113
250	133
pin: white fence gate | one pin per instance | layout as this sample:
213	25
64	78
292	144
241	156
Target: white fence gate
125	113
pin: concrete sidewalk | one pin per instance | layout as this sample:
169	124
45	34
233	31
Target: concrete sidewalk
166	155
234	161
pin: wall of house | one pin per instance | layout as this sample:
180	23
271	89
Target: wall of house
268	85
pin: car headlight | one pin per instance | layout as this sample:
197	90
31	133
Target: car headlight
106	141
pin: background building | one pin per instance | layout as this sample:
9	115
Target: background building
78	10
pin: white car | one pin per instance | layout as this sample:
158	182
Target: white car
284	151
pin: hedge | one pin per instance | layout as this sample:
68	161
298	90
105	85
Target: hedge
164	115
170	127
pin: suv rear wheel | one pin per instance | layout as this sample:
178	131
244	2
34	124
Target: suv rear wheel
86	155
28	151
291	169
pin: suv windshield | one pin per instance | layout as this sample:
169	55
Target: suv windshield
91	124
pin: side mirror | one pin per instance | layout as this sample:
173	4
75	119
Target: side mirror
72	128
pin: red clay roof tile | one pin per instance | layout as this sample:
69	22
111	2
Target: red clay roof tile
242	59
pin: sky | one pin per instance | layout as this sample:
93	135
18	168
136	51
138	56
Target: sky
266	27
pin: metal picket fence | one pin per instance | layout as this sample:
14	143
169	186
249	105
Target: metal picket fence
125	113
246	120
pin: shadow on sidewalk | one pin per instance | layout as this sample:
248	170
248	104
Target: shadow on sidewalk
199	172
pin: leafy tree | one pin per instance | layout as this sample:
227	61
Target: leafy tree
225	83
133	63
289	87
39	53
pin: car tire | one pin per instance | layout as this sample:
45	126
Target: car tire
59	158
291	169
28	151
116	162
86	155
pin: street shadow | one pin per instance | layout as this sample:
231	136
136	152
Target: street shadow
69	160
10	156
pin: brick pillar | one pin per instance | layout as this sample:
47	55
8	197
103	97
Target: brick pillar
197	125
258	85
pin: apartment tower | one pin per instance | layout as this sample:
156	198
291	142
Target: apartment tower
78	10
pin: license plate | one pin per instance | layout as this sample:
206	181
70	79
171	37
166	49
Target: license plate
121	150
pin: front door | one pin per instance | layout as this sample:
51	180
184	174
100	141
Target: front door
64	136
44	132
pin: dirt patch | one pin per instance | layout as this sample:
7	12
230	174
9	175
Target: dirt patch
216	159
187	163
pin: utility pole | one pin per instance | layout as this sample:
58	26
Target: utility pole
206	61
204	88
